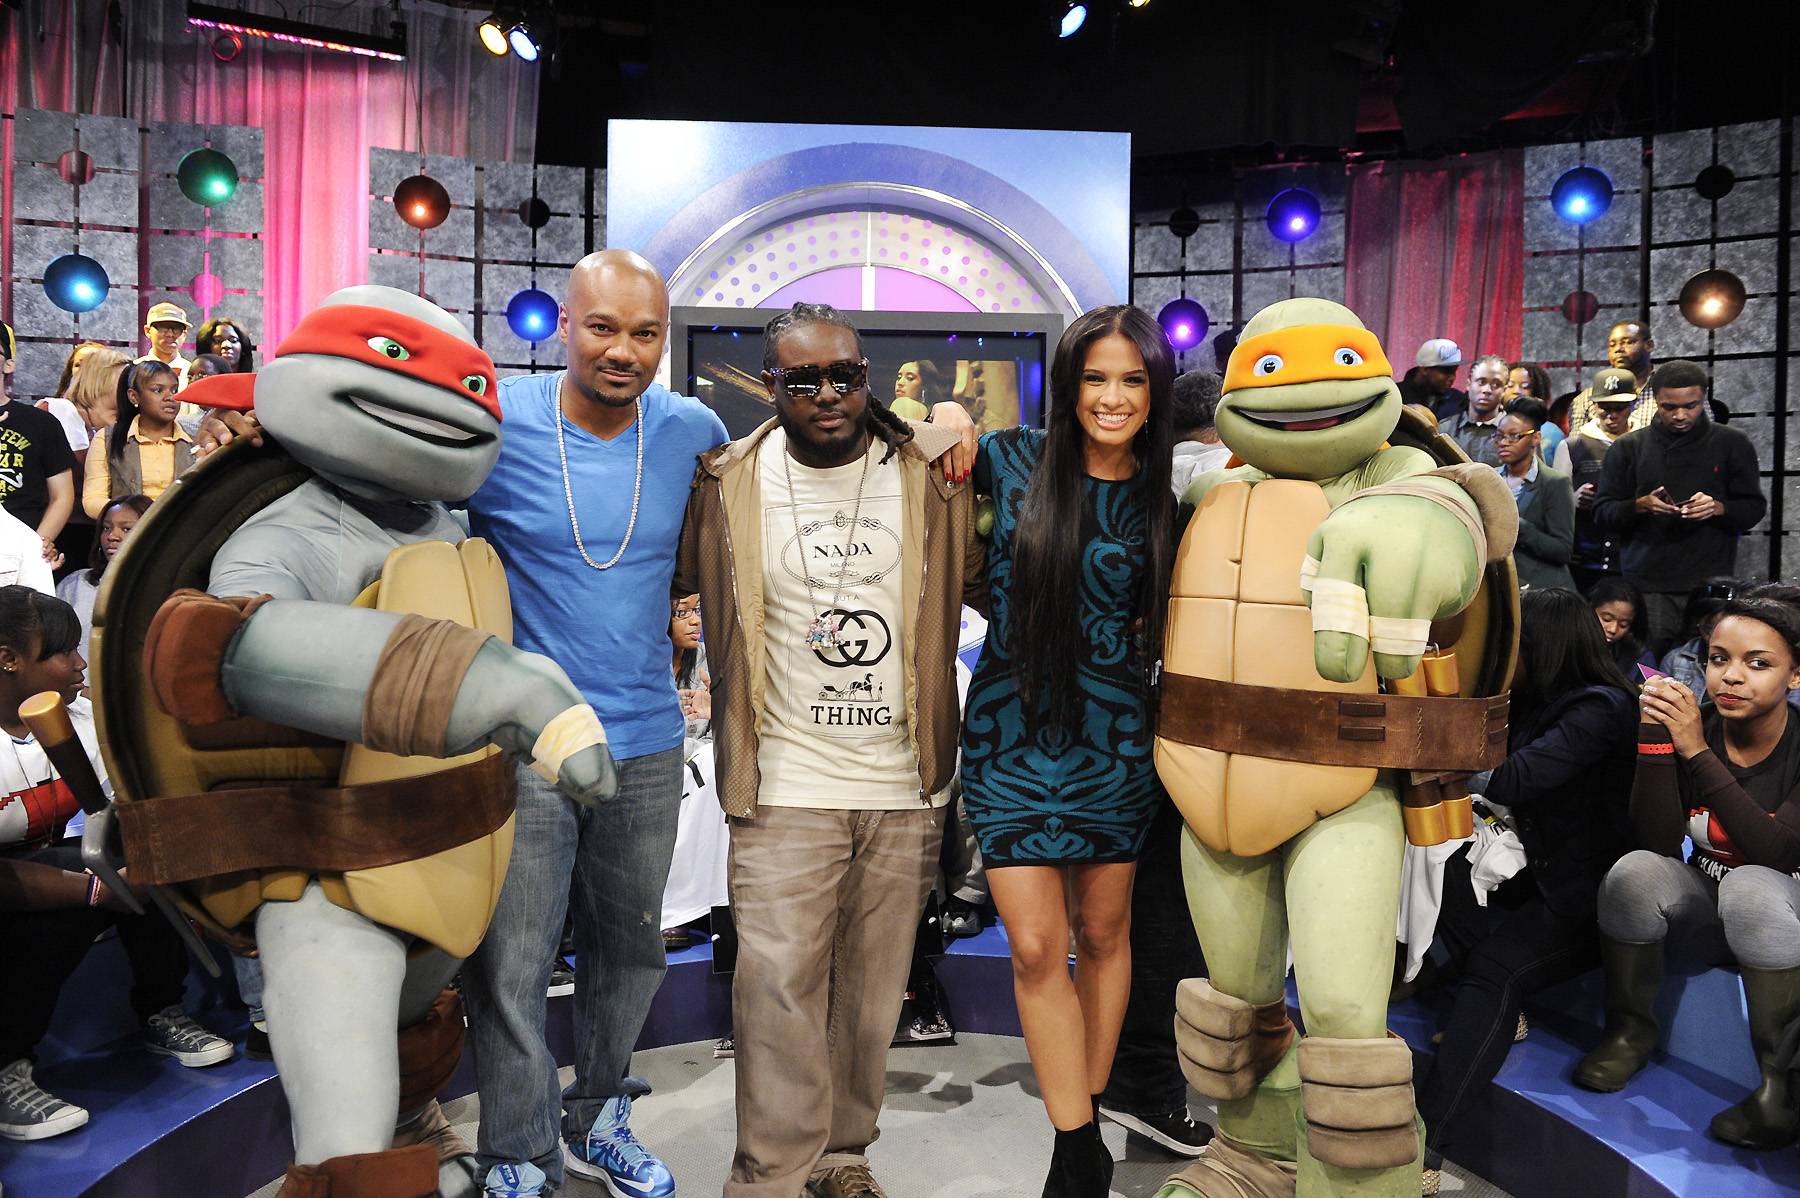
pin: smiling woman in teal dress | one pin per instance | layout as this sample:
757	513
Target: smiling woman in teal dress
1057	768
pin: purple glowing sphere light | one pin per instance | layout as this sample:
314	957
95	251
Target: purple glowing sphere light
1184	322
1293	215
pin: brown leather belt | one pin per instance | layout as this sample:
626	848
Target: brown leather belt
1380	731
320	829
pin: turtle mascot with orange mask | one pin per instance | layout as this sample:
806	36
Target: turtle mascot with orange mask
306	739
1305	742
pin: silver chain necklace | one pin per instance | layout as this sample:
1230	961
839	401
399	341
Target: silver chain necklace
820	632
637	484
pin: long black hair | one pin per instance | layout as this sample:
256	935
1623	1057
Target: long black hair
130	379
1609	589
888	428
205	341
1047	544
97	556
1562	648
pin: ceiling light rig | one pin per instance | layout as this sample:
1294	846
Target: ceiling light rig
214	17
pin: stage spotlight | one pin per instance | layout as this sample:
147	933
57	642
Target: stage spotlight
1712	299
1582	194
1715	182
1184	322
522	42
531	314
492	32
207	177
1137	3
1073	18
422	202
1293	214
76	283
1184	222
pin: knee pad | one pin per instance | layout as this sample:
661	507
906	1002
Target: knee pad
1357	1096
1227	1045
429	1051
396	1173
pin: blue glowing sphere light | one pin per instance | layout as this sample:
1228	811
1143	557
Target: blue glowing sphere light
1581	194
76	283
1293	215
1184	322
531	314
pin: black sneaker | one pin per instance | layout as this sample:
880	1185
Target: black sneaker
961	919
724	1049
172	1032
562	980
1176	1131
256	1044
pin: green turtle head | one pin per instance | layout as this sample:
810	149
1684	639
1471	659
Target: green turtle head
1308	391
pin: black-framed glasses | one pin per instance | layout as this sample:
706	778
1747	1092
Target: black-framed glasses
805	382
1511	438
682	613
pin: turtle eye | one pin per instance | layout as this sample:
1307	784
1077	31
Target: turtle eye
1346	356
387	347
1268	364
475	383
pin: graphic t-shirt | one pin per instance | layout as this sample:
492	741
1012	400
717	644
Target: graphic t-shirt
35	804
833	731
33	448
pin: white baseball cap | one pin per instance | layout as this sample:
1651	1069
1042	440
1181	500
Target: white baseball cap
1439	351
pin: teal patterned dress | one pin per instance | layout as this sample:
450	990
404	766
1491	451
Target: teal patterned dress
1083	795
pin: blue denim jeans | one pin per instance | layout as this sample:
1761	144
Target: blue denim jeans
613	861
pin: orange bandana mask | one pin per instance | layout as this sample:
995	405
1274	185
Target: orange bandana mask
1306	353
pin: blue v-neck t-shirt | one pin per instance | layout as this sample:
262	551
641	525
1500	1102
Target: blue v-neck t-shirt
608	629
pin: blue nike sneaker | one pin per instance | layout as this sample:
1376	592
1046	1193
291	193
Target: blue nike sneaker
515	1181
612	1156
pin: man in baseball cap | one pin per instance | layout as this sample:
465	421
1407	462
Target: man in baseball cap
1431	381
1613	392
166	327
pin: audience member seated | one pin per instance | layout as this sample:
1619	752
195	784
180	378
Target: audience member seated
1431	383
1198	449
95	391
225	339
697	873
1686	662
1582	456
72	365
38	484
1728	777
52	909
205	366
1563	790
1619	606
1528	380
79	588
154	450
1546	500
1474	426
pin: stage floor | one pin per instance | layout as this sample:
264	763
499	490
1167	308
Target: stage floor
961	1121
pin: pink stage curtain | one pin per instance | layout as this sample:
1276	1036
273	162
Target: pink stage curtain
1437	249
321	112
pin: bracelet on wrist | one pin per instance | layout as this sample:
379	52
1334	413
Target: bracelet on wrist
94	888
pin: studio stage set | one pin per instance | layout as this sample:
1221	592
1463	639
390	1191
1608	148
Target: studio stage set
241	163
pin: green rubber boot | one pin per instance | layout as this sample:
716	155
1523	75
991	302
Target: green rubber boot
1633	976
1767	1118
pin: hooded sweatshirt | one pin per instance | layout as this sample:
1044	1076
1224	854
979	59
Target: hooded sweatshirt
1667	554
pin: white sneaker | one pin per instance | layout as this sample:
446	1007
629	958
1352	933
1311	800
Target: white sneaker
172	1032
28	1112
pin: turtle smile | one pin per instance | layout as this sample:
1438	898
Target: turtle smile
1311	419
413	424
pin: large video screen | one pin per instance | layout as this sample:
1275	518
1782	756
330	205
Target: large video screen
996	367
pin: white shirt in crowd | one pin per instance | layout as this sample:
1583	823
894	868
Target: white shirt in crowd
22	556
69	416
35	804
833	731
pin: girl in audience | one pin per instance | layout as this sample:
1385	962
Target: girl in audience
72	365
1619	606
1530	381
79	588
1728	777
224	338
205	366
151	452
1563	788
697	876
50	908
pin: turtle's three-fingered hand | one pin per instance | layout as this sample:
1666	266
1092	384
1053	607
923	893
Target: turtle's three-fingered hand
1381	568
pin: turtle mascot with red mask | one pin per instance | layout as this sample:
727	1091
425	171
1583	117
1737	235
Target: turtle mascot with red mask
305	690
1342	630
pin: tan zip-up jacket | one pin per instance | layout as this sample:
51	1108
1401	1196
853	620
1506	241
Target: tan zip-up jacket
943	564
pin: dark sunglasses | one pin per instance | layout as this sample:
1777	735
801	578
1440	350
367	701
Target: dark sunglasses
805	382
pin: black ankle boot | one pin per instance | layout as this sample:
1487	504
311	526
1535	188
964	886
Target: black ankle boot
1080	1166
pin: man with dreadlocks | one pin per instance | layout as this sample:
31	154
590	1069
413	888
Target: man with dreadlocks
832	561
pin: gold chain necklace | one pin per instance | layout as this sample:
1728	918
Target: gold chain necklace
637	484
